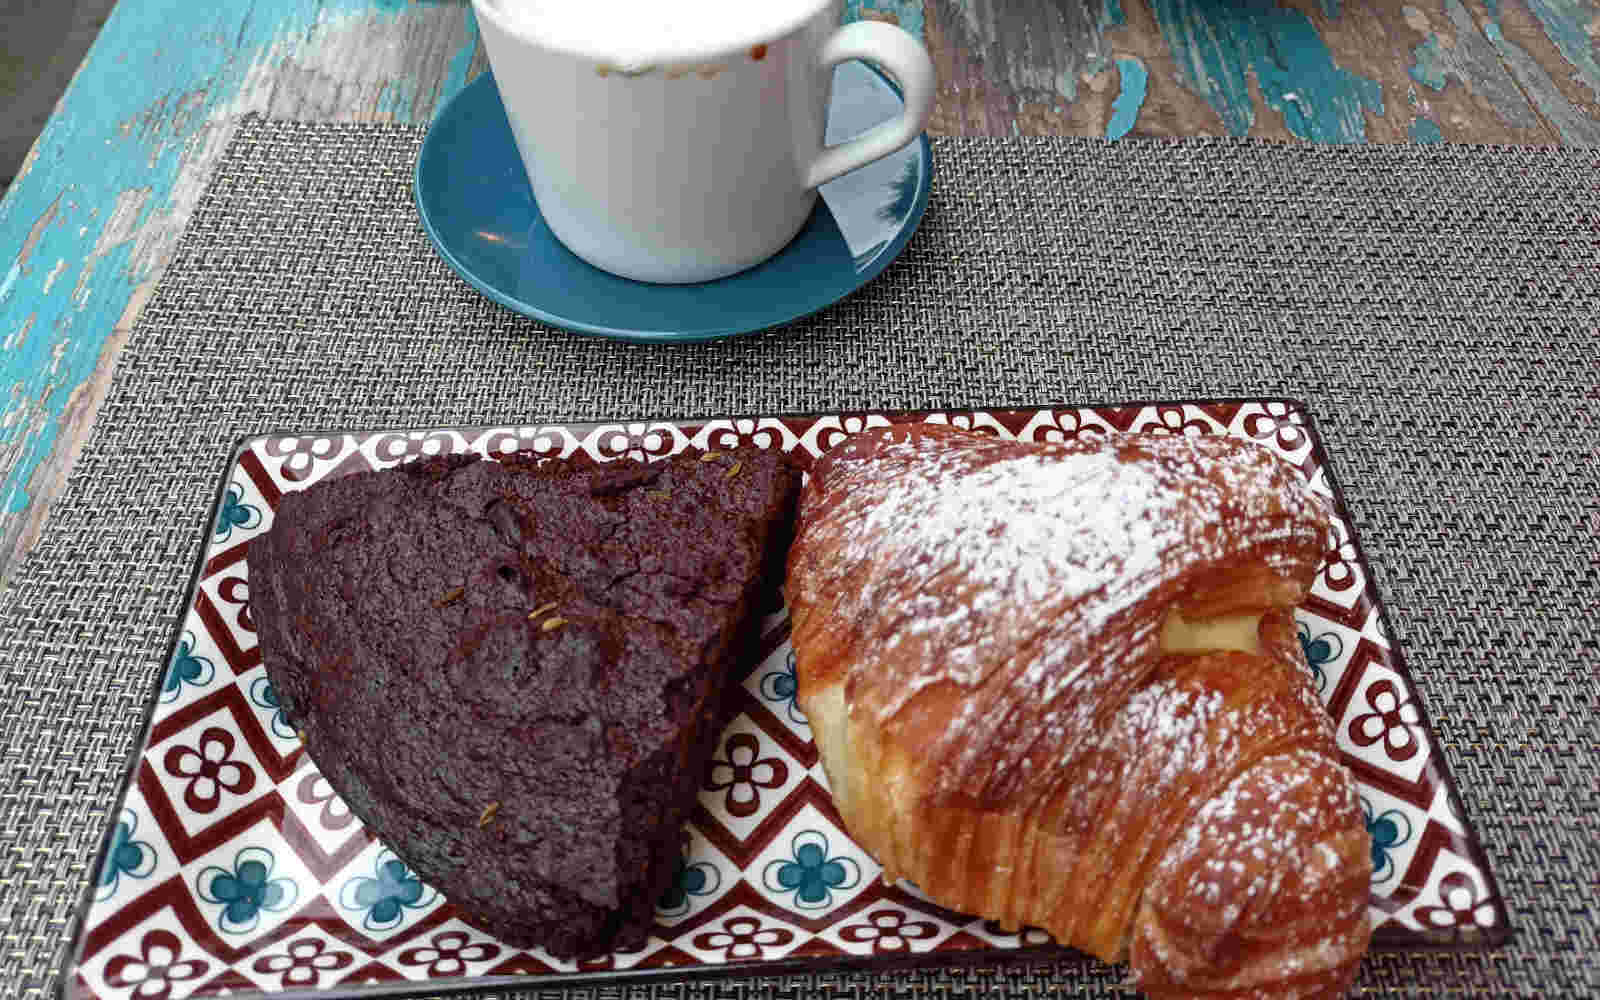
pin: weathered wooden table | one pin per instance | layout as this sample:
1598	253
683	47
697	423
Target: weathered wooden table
93	217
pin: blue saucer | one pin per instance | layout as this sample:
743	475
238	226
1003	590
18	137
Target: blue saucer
478	210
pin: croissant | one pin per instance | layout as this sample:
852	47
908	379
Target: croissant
1059	685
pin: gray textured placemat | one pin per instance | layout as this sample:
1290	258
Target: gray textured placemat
1436	307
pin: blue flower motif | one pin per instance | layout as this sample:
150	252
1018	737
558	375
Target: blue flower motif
232	513
1388	829
384	897
246	890
810	873
698	879
186	668
261	694
783	686
1326	647
124	856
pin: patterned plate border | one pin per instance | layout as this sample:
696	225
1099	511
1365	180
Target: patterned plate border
230	866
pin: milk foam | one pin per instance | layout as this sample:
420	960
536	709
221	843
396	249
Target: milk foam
627	29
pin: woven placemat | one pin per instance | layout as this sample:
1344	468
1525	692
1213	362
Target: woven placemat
1436	308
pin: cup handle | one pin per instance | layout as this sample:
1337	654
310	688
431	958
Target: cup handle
904	58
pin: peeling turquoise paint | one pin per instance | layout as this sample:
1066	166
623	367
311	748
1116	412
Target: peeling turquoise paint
1423	130
1574	127
1330	8
460	64
1125	109
136	87
907	12
1565	23
1133	78
1503	73
397	98
1100	60
1559	18
401	98
1095	53
1471	60
1429	66
1218	45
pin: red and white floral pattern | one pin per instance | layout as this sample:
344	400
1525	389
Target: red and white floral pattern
221	803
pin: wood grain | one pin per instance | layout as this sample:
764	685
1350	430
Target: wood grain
1318	70
1549	48
111	182
107	189
1455	79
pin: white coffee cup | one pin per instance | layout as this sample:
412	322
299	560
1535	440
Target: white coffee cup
682	140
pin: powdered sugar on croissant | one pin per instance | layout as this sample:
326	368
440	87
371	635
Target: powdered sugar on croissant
1059	685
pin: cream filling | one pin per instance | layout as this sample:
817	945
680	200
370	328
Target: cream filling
1240	633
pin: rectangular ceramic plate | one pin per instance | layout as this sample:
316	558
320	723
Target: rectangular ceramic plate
230	866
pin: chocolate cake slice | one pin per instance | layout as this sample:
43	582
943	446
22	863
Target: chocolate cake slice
510	669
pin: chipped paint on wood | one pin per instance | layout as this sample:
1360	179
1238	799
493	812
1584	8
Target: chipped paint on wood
1568	24
1223	47
1504	54
906	13
1465	55
1544	44
1576	128
1021	67
15	339
55	272
120	226
104	195
1423	130
1271	68
1130	97
1040	50
116	173
35	232
1451	75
